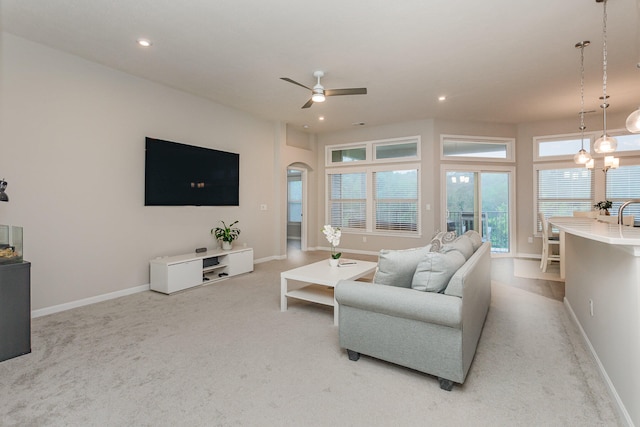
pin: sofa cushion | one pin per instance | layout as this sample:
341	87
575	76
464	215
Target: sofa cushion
435	270
396	267
462	244
441	238
476	239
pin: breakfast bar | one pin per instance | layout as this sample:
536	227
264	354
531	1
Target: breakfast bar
601	265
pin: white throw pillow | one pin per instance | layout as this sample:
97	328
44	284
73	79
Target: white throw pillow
476	239
396	267
435	270
462	244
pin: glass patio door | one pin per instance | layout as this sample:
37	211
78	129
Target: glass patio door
481	201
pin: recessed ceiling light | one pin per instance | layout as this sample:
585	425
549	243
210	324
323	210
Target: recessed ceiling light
306	126
442	98
321	118
144	42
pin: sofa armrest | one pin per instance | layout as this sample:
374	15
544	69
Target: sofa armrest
406	303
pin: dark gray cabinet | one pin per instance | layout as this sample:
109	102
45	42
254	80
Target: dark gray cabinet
15	310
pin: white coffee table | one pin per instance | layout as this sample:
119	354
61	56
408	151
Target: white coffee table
322	278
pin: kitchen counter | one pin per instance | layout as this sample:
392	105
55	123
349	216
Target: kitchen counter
600	231
601	264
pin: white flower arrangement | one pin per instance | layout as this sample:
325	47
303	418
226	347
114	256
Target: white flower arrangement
333	236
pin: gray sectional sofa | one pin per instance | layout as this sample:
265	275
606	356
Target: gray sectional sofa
416	314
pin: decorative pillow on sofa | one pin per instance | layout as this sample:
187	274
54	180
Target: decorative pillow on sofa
435	270
462	244
396	267
441	238
476	239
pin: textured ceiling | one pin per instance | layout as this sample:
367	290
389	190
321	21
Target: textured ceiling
501	61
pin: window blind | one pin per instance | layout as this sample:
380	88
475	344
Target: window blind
347	200
562	191
396	200
624	184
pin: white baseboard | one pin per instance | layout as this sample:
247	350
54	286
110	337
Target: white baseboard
269	258
530	256
612	390
87	301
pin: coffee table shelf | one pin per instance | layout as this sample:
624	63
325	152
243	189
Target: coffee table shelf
322	279
320	294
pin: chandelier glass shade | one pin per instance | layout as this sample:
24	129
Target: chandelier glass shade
633	121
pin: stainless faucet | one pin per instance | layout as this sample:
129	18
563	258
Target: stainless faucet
624	205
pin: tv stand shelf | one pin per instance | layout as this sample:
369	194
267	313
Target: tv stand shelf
176	273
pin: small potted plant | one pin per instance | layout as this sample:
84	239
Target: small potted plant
227	234
604	205
333	236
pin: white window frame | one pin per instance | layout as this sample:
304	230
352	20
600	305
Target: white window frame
460	167
589	138
370	147
547	166
369	206
509	143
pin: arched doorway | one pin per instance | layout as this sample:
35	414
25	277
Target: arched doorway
296	208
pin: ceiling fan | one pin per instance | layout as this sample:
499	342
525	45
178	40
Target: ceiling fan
318	93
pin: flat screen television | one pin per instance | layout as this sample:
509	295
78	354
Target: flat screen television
182	175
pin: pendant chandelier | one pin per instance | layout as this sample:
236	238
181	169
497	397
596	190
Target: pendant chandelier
604	144
633	121
582	156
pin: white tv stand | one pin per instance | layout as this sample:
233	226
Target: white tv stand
175	273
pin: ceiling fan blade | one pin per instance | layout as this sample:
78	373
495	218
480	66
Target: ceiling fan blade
352	91
308	104
287	79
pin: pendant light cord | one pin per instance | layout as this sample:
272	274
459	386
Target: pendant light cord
582	127
604	69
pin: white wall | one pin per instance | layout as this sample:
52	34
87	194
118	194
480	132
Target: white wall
72	150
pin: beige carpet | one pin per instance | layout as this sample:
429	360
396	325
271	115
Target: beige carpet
530	269
224	355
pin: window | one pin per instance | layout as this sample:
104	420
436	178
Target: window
401	150
396	200
562	190
382	151
478	149
379	193
348	200
624	184
560	147
564	187
627	143
352	154
295	198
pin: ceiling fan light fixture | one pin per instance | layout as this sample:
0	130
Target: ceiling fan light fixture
318	94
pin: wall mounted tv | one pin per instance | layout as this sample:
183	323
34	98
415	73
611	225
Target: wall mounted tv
181	175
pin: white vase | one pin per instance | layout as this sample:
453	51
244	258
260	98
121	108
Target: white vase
226	246
333	262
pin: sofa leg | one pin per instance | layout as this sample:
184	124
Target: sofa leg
353	355
446	385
